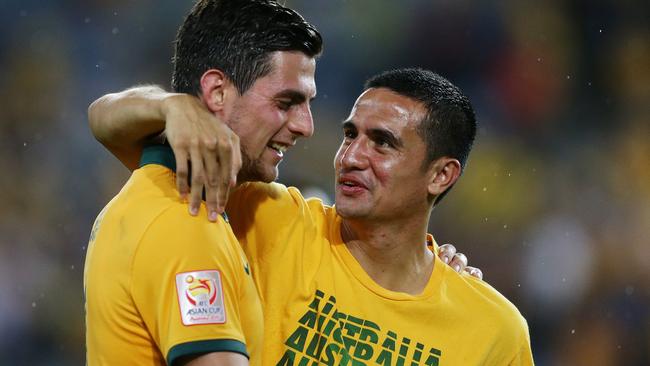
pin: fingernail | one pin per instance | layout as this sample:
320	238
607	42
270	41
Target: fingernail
457	267
194	211
445	259
213	215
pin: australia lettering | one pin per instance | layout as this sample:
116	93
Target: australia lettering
327	336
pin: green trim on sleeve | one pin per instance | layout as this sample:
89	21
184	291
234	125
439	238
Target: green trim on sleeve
202	347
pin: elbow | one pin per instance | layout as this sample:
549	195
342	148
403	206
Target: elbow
95	122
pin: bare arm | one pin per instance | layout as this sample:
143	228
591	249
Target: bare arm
123	122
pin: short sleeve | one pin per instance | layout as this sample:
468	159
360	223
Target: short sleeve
186	285
524	355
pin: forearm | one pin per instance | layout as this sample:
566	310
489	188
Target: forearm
123	121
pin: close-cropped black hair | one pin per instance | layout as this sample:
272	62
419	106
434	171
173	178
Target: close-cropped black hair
449	127
237	37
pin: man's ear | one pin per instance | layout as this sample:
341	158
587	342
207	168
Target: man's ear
444	173
216	89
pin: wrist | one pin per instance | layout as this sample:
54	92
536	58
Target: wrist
165	105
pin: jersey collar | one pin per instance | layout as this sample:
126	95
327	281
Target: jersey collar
160	155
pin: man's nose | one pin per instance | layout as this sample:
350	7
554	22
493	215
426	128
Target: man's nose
301	123
355	154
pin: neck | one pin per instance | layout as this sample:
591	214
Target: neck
395	255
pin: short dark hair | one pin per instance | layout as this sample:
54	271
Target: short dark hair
449	126
237	37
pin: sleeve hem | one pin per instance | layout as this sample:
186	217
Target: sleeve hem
206	346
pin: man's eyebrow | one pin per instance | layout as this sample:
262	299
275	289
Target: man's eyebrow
295	96
385	134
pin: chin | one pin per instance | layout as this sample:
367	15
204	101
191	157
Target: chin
266	175
258	172
350	214
347	210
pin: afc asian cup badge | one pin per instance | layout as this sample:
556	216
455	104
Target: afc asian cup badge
200	297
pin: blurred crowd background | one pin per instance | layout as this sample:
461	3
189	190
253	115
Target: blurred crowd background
554	205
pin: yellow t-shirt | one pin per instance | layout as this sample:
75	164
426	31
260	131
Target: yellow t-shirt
160	284
321	307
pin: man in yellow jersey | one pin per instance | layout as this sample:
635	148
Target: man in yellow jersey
359	283
163	287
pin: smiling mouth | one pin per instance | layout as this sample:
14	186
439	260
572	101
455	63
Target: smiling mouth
350	189
278	147
351	184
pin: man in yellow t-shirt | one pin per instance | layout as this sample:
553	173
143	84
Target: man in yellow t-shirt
162	287
320	305
359	283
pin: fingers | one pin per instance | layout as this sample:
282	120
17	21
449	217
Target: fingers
212	148
473	271
225	171
236	160
459	262
198	179
446	252
181	156
213	178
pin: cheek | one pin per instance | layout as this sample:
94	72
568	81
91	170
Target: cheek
269	123
387	170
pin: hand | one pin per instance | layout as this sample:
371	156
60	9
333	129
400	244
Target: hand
457	261
198	136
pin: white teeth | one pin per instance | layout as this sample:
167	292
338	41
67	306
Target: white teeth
280	148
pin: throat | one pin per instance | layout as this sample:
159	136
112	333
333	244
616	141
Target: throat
395	264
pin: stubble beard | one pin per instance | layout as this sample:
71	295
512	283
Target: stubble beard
252	170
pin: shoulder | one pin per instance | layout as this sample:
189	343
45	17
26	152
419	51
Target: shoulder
271	191
175	241
254	194
149	190
175	223
487	308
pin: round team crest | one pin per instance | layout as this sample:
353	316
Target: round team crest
200	291
200	297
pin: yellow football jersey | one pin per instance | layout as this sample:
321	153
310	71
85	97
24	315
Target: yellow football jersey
321	307
160	284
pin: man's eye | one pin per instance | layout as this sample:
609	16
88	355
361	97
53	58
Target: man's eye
284	105
384	143
348	134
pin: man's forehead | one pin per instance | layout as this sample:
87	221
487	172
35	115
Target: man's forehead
294	70
385	104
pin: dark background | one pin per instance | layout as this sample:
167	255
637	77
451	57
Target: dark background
554	206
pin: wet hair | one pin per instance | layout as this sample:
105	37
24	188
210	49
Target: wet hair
237	37
449	126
